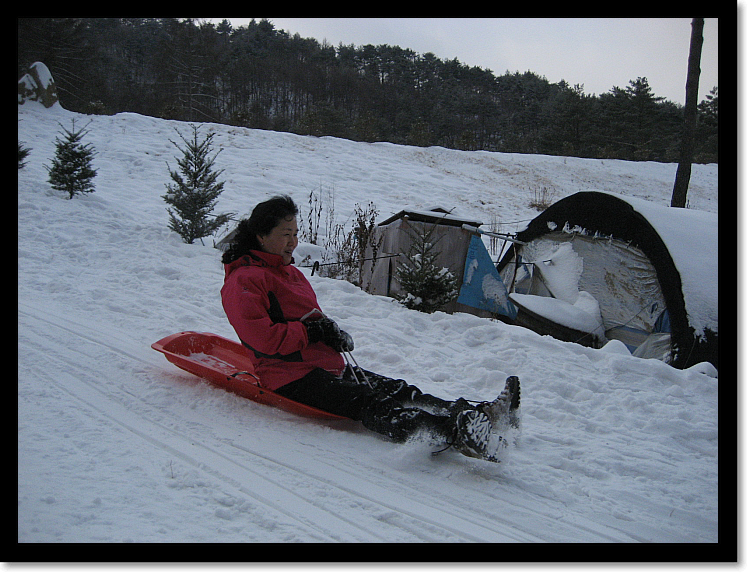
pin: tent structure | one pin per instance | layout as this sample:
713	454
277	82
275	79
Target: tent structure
597	266
460	250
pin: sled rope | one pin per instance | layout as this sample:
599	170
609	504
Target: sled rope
316	265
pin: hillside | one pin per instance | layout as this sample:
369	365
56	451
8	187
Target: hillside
117	445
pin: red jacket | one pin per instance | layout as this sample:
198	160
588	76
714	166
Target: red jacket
264	301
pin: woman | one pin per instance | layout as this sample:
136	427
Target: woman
296	349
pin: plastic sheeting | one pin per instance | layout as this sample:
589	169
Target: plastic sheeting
482	287
619	276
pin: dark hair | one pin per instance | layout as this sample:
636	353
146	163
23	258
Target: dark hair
264	218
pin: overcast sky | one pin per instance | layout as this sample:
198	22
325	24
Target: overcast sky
599	53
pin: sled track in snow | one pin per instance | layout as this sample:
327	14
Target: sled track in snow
298	483
86	388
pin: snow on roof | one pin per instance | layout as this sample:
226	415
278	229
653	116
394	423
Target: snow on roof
433	215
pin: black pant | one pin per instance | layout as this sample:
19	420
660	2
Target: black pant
392	407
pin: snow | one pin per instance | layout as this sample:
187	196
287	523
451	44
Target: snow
560	267
45	76
115	444
583	315
32	86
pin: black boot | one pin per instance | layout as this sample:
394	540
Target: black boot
503	410
473	434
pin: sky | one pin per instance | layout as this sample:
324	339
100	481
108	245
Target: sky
598	53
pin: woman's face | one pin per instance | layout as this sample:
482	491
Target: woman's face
282	240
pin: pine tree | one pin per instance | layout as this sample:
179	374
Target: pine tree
23	153
707	129
427	286
195	190
71	169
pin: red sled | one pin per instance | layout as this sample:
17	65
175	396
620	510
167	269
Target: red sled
226	364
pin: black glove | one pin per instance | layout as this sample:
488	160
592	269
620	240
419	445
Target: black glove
327	331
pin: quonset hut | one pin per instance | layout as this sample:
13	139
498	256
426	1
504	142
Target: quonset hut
597	266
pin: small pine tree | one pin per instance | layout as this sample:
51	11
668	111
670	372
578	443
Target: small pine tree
195	190
71	169
23	153
427	287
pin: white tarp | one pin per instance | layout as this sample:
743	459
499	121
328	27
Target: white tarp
564	272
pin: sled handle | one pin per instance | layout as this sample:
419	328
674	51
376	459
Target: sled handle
235	374
348	354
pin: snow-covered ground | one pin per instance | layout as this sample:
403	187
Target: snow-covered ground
115	444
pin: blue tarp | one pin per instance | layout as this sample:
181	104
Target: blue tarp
482	286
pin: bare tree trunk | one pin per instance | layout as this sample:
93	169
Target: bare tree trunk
683	175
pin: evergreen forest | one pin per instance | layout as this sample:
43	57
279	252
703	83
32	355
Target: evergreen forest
260	77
